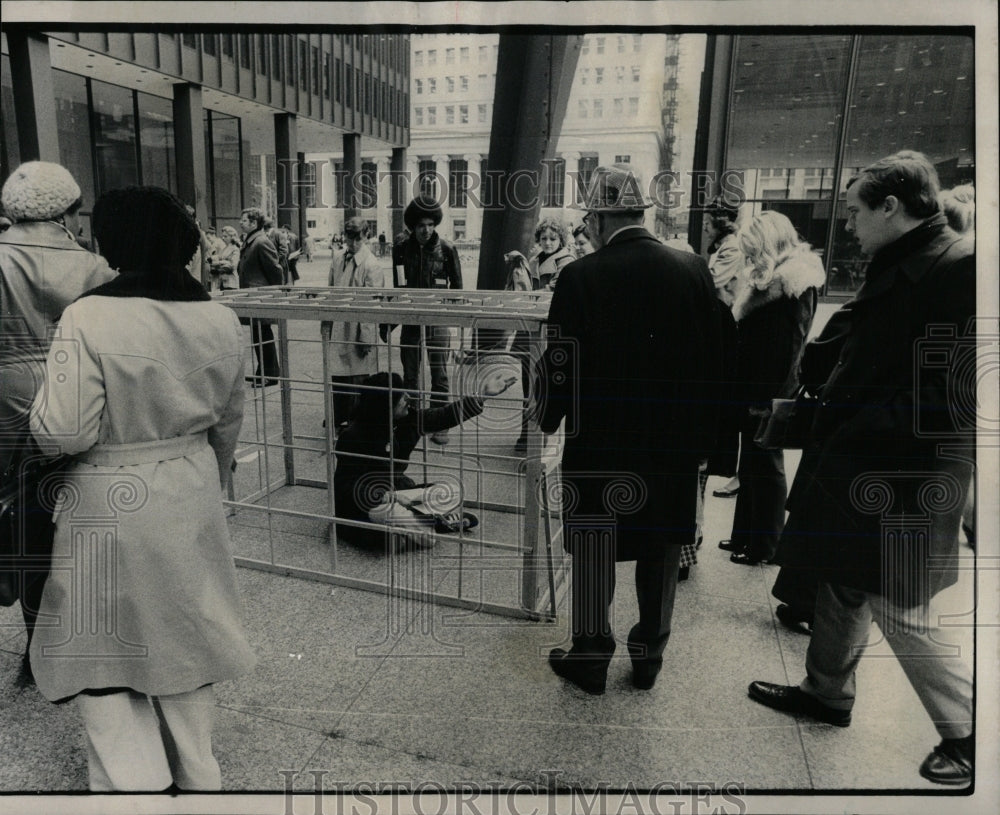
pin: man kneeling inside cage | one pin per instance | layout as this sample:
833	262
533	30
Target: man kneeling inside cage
370	482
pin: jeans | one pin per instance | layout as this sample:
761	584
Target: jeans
437	340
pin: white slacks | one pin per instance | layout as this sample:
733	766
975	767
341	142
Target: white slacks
137	742
840	632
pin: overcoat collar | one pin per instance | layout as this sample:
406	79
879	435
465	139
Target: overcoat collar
630	233
912	254
45	234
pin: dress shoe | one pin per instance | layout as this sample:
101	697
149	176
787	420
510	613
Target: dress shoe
683	573
744	558
794	619
441	437
588	673
950	763
724	493
644	673
730	546
791	699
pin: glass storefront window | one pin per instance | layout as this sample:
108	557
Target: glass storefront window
787	101
114	133
9	147
226	166
156	140
72	121
911	93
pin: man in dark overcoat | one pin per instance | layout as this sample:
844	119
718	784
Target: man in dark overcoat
634	356
878	497
260	266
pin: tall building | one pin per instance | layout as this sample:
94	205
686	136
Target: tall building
219	118
616	112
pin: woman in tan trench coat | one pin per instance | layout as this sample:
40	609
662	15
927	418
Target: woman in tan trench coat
145	388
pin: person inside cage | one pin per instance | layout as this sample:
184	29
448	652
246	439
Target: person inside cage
373	452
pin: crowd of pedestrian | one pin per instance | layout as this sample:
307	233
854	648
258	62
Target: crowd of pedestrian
119	367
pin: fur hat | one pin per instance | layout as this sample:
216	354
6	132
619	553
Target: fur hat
423	206
38	191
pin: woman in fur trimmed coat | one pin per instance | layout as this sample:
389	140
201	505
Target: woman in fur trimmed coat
774	312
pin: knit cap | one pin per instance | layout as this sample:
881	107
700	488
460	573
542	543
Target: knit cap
38	191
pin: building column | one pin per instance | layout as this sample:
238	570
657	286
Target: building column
400	188
572	168
34	109
383	213
352	168
286	156
442	166
300	227
473	213
189	147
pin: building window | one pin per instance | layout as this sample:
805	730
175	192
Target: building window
275	58
458	182
483	53
432	115
432	57
463	55
427	177
418	58
623	159
633	106
584	76
582	108
463	83
598	76
619	107
156	139
315	70
72	115
114	136
458	229
326	75
481	115
555	183
449	56
598	108
619	74
585	171
419	116
449	115
208	44
227	46
190	40
450	83
289	62
261	54
432	85
585	48
310	223
245	57
418	85
349	86
600	45
482	82
338	78
636	43
463	114
621	44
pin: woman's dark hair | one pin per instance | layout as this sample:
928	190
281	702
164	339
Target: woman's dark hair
148	232
379	395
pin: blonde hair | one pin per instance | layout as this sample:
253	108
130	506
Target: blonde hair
959	204
767	241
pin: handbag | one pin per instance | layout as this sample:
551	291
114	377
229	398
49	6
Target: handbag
788	423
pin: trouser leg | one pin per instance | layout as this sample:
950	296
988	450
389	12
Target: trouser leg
593	581
409	355
187	720
760	504
266	350
438	349
840	633
743	513
124	747
941	677
655	589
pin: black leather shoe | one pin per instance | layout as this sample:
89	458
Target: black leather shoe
950	763
791	699
728	546
746	559
726	493
644	673
793	619
588	673
683	573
